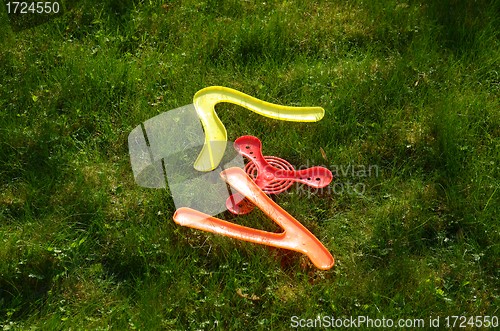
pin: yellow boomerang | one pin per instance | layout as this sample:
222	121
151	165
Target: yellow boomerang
207	98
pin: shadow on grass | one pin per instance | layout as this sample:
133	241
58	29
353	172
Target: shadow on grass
463	24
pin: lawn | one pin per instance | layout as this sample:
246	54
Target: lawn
411	93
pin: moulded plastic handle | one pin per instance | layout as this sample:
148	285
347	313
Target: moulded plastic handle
294	237
207	98
269	178
251	147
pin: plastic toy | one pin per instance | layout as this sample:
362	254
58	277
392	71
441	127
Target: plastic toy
271	174
294	236
167	147
207	98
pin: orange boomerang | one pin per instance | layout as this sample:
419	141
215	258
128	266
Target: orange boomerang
295	236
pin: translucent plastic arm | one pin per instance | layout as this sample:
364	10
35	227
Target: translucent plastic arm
295	236
207	98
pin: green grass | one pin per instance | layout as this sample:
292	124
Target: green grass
411	88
